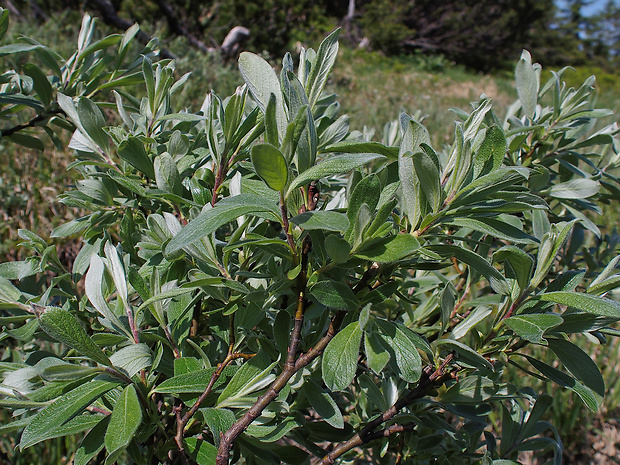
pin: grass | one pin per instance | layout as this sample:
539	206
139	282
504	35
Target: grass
371	87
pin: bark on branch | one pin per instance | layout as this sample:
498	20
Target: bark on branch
429	380
30	124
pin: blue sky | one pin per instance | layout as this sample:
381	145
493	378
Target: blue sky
595	7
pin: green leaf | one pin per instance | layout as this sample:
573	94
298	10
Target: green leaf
596	139
133	152
149	81
495	228
323	404
473	389
390	249
117	270
41	85
367	191
531	327
4	22
426	167
72	227
550	245
404	343
334	294
331	166
579	364
218	421
19	269
580	188
124	422
322	66
58	414
102	44
350	146
92	120
521	263
92	285
273	432
589	397
65	328
203	452
485	186
415	135
253	376
21	138
595	305
67	372
123	81
91	444
465	353
527	84
187	383
340	357
605	277
167	175
337	248
376	355
225	211
17	48
478	263
477	315
132	358
262	83
325	220
15	425
271	126
20	99
493	147
270	165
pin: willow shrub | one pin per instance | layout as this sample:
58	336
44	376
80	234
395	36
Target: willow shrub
258	283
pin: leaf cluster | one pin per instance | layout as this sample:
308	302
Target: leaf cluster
258	282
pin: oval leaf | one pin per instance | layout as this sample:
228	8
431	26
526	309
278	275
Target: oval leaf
588	303
330	167
124	422
393	249
270	165
323	404
62	410
326	220
224	212
65	328
579	364
532	327
340	357
334	294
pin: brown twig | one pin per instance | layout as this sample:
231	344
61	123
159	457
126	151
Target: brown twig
392	429
291	366
228	438
30	124
219	179
255	411
92	408
230	356
428	381
286	226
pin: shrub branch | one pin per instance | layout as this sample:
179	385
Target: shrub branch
32	123
429	380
